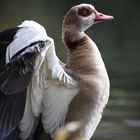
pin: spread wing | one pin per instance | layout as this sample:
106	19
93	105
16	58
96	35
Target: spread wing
32	81
13	87
19	48
51	90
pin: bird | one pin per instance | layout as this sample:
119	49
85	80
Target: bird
37	88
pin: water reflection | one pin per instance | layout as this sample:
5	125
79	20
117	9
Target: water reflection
121	119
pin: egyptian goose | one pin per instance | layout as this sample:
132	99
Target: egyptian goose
34	83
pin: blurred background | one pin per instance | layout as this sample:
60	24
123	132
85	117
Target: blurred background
119	43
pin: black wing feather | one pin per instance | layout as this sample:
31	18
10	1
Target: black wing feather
6	37
16	75
14	79
11	110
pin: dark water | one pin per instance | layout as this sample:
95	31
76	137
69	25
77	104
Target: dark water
121	120
119	43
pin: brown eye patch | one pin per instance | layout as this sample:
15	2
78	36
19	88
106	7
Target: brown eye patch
85	11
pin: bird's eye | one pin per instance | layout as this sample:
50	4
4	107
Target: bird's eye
84	11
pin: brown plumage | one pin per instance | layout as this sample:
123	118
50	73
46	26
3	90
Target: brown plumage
85	64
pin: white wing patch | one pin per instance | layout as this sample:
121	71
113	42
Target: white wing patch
56	100
51	89
30	32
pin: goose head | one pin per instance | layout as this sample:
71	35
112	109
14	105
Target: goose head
78	19
82	16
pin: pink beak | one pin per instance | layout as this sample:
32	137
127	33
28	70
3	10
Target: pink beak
102	17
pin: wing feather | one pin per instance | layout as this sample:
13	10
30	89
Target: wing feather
22	51
11	110
55	106
29	32
52	90
49	91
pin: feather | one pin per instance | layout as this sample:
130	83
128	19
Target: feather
33	69
11	110
56	100
29	32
